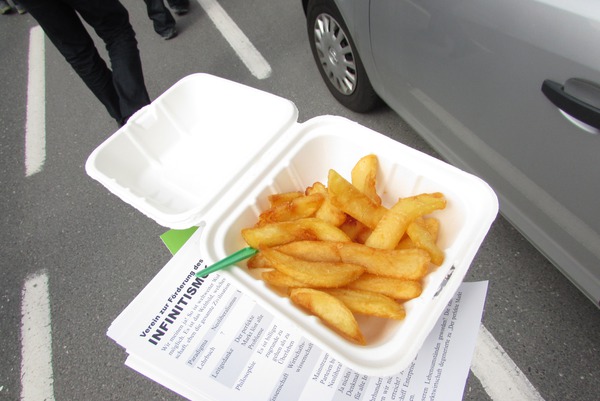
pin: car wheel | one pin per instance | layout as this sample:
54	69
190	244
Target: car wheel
337	58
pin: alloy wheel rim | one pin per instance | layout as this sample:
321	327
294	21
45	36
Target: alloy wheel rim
335	54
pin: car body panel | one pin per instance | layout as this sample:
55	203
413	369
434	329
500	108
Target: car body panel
467	75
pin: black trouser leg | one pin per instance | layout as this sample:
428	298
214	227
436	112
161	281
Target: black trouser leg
160	15
178	3
122	90
118	35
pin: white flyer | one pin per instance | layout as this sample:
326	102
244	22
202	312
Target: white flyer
206	340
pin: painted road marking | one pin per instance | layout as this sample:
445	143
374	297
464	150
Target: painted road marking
37	382
500	377
35	125
250	56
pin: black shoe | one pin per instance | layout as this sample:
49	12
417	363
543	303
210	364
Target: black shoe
169	33
20	9
5	8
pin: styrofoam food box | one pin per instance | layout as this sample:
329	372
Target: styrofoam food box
210	151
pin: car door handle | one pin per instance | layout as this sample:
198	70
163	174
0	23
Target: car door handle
578	98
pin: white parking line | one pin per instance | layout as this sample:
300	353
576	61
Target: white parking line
35	126
499	375
250	56
37	382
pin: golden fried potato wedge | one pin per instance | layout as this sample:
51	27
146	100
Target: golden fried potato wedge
356	230
297	208
279	279
363	236
411	264
406	243
287	231
369	303
330	213
277	199
313	251
433	226
422	238
352	201
399	289
327	212
258	261
392	226
316	188
364	177
352	227
314	274
330	310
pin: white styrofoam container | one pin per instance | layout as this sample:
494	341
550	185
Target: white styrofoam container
211	150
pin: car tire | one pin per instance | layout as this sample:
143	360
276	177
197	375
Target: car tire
337	58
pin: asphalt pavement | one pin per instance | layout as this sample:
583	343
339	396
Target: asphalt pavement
98	253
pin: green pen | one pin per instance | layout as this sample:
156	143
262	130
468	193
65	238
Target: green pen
235	257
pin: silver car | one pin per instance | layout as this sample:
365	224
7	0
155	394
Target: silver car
508	90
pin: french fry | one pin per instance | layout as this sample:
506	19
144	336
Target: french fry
327	212
369	303
314	251
258	261
363	235
399	289
297	208
352	201
364	177
314	274
279	279
330	310
356	230
433	226
410	264
417	231
287	231
317	187
392	226
277	199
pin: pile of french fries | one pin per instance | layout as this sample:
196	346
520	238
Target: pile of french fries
337	251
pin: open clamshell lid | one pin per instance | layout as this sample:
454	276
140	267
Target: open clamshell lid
178	156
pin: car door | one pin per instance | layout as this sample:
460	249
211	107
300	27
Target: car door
468	75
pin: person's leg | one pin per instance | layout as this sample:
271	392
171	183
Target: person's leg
110	20
65	30
180	7
161	17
